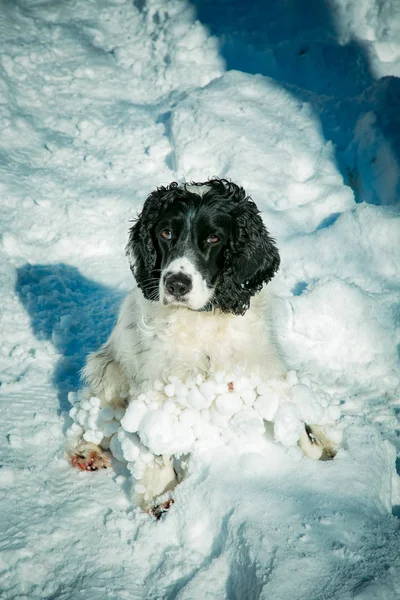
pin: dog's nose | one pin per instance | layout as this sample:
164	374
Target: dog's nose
178	284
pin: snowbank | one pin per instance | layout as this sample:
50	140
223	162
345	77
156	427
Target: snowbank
377	25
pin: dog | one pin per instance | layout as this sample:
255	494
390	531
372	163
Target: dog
202	258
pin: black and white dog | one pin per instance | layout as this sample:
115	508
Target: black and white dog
201	256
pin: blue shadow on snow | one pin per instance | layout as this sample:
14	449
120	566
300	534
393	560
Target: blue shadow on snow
74	313
297	44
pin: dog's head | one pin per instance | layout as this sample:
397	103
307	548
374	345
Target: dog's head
203	246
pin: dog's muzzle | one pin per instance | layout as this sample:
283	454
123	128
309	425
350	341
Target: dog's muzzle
177	284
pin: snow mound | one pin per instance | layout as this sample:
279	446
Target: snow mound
177	417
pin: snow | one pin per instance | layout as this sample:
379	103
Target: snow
101	101
185	417
378	26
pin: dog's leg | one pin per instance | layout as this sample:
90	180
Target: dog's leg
314	443
105	377
106	380
158	478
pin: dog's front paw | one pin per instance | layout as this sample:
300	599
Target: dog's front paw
90	457
158	478
315	444
158	510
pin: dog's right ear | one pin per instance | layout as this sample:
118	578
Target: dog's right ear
140	249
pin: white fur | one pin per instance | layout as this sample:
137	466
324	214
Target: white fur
200	190
152	341
156	480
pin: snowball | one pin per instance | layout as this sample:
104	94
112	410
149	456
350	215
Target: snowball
93	436
105	443
119	413
162	433
263	389
279	385
137	468
172	407
196	399
255	381
146	456
133	415
107	413
81	417
248	396
130	445
219	377
229	404
207	436
221	388
175	417
288	424
266	406
334	435
208	389
110	427
169	390
248	424
75	431
241	384
189	417
181	401
309	405
139	488
93	421
72	397
153	405
217	418
181	389
205	414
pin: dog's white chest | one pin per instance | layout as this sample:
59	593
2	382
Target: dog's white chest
155	342
191	342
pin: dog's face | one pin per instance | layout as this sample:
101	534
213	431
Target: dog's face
201	246
191	236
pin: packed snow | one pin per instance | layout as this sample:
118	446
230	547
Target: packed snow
100	102
181	417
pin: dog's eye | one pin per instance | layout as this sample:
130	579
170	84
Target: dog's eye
212	239
166	234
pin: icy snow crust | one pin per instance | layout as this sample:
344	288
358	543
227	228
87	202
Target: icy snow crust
100	102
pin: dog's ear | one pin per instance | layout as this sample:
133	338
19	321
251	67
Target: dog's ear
251	260
141	249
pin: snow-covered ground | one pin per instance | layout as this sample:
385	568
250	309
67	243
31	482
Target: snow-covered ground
101	101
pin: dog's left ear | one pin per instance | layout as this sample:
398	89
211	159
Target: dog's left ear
140	248
251	260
